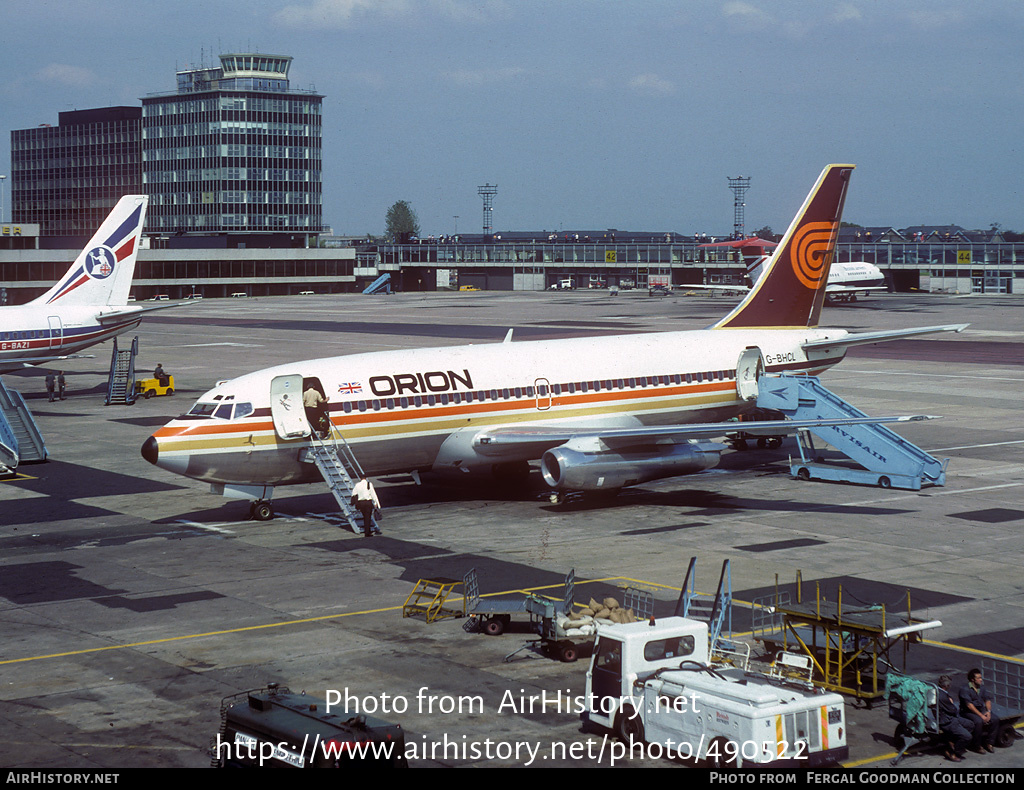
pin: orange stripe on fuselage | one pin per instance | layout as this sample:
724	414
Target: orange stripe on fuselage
488	407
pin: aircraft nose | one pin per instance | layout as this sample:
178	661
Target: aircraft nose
151	450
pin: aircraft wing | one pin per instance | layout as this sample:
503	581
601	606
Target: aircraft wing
853	289
27	362
863	338
121	313
517	441
705	287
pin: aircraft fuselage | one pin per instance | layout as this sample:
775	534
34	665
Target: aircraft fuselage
418	410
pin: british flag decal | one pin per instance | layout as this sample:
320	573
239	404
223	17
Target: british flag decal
350	388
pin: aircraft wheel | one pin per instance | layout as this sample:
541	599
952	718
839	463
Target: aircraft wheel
262	511
884	482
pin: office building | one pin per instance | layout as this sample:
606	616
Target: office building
66	178
234	152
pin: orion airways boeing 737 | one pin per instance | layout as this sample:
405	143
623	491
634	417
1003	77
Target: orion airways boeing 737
599	413
88	305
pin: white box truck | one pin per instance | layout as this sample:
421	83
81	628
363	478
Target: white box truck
652	682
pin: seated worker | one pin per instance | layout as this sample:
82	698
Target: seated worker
959	729
976	705
160	374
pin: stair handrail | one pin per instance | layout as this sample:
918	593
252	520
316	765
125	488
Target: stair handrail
110	378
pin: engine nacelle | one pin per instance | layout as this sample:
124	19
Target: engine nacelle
569	468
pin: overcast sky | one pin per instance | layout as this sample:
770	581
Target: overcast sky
586	114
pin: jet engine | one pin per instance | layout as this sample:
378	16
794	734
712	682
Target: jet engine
575	467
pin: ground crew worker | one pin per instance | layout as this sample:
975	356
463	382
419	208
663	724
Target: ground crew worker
976	705
365	500
61	384
51	383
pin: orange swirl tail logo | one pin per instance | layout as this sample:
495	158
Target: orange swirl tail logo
811	252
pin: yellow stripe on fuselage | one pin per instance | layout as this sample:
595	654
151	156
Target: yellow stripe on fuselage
412	422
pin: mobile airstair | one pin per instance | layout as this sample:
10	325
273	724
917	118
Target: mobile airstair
381	285
889	460
121	382
714	610
20	438
340	470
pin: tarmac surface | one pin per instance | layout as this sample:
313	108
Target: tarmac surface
132	600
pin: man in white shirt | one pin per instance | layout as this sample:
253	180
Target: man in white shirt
365	500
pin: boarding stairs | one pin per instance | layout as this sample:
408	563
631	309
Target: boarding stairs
334	458
888	459
20	438
121	382
381	285
714	610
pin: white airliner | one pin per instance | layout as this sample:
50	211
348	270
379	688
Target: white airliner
600	413
846	279
88	305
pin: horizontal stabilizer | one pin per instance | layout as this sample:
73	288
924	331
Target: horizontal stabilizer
121	313
863	338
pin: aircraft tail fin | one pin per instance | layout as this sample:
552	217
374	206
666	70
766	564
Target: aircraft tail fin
791	290
102	273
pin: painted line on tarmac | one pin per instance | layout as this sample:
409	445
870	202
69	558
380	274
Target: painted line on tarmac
974	446
243	629
931	375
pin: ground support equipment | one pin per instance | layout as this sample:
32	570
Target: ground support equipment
851	648
888	460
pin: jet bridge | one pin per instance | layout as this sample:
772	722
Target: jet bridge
888	460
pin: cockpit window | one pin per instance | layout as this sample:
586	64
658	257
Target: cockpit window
202	410
243	410
224	412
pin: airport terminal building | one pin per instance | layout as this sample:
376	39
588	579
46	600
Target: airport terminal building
232	162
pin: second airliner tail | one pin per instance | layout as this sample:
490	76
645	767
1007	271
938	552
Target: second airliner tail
102	273
792	289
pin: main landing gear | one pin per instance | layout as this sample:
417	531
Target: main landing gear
261	510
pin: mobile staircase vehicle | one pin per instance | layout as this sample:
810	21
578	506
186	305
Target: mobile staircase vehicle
340	469
889	460
121	382
381	285
20	438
